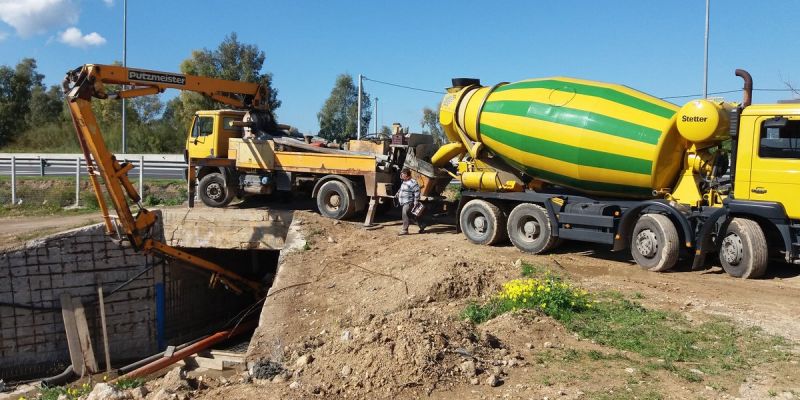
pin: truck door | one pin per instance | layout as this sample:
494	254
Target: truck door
200	143
775	172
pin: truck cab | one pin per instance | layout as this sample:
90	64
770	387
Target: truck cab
210	131
768	159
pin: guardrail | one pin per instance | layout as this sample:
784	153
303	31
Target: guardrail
154	166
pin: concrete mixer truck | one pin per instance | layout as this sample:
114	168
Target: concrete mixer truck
549	159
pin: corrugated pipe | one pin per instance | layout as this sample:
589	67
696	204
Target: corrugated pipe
59	379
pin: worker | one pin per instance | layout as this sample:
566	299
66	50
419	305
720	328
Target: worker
408	200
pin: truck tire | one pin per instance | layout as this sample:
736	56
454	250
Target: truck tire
214	192
530	229
655	241
482	222
743	251
333	200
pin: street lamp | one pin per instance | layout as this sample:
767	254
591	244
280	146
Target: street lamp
705	59
124	64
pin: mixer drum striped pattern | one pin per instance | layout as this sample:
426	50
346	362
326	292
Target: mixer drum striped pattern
595	137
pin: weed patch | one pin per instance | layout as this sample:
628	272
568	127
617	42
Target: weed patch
667	340
71	393
549	295
128	383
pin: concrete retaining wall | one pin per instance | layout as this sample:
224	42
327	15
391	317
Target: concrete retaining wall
32	337
169	303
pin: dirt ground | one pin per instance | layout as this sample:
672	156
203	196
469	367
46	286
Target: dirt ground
374	315
369	314
16	231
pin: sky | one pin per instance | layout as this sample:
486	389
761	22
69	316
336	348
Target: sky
652	46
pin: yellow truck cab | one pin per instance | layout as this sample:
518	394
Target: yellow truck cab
768	159
210	132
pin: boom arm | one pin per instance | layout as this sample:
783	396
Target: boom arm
87	82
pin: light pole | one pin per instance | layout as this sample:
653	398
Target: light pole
358	118
376	116
124	64
705	59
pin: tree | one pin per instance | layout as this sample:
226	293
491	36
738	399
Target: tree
231	60
45	106
337	118
16	87
430	125
385	131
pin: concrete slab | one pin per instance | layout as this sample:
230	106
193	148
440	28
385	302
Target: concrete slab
226	228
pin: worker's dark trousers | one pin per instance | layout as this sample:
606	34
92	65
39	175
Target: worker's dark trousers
407	217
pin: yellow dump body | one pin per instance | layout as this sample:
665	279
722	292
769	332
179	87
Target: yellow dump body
596	137
261	154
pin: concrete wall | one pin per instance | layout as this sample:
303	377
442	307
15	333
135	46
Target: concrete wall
32	279
32	337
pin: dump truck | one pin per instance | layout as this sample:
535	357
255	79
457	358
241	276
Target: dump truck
235	154
544	160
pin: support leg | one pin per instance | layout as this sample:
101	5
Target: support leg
373	206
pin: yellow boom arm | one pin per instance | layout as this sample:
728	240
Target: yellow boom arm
87	82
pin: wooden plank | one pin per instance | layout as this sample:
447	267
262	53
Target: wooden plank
105	329
85	338
73	341
227	356
203	362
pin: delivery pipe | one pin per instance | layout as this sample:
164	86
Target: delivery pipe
189	350
154	357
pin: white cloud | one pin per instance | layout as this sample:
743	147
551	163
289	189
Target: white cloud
30	17
3	35
109	2
75	38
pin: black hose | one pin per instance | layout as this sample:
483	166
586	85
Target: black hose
59	379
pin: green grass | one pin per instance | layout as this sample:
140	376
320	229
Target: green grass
666	340
56	195
528	270
714	346
72	393
128	383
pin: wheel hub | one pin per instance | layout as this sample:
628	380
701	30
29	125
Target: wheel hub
531	229
334	201
732	249
479	223
214	191
646	243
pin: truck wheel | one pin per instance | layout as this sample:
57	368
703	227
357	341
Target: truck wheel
333	200
654	244
214	192
530	229
482	222
743	252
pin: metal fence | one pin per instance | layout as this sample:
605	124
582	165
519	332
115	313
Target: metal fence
61	179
